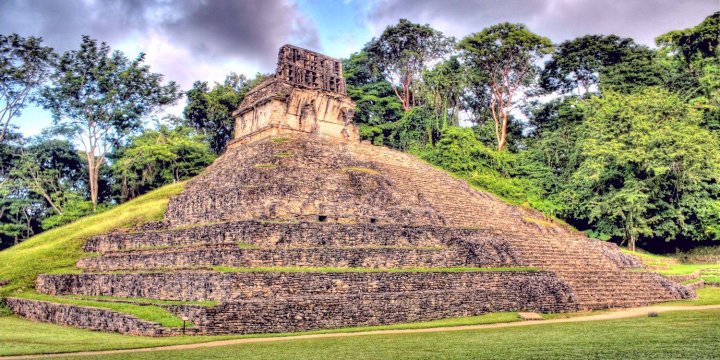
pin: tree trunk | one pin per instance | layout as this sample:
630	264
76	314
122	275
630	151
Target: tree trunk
93	174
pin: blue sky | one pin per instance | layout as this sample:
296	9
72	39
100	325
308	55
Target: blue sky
191	40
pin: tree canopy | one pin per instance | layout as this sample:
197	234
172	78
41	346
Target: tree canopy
24	65
403	51
506	54
98	97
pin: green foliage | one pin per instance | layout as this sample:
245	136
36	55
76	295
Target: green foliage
24	65
74	207
209	111
502	173
443	88
376	102
60	248
417	127
646	169
98	98
694	59
502	61
638	69
159	157
580	63
402	52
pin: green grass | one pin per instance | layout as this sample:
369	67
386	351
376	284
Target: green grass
284	154
365	270
686	269
61	247
686	335
706	296
21	337
243	245
152	313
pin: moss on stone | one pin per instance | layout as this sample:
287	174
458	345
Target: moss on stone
361	170
265	166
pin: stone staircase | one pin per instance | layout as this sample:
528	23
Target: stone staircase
295	234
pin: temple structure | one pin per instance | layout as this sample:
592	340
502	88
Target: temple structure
299	226
307	94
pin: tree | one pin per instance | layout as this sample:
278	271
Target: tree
24	65
159	157
506	54
577	64
51	169
694	56
209	111
646	171
403	51
376	102
443	87
99	97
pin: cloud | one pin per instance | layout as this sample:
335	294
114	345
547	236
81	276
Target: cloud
186	40
254	29
560	20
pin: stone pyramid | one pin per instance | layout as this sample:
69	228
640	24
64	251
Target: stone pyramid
301	226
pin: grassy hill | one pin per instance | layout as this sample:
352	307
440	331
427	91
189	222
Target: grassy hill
60	248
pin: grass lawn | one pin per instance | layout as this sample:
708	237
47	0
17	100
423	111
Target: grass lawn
686	335
706	296
21	337
60	248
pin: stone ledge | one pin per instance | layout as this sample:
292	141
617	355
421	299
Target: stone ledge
233	256
84	317
338	311
199	286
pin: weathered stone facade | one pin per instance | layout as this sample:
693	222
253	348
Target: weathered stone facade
306	94
297	190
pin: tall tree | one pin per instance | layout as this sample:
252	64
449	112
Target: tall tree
209	111
99	97
576	64
506	54
694	55
443	87
376	102
159	157
403	51
646	169
51	169
24	65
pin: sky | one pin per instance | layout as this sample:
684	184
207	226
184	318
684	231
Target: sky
191	40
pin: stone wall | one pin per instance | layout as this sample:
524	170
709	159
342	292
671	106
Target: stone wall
198	285
539	292
232	256
483	247
83	317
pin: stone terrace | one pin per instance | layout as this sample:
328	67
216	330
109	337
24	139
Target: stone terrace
300	226
296	233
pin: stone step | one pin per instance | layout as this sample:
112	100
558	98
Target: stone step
297	313
303	234
234	256
208	285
